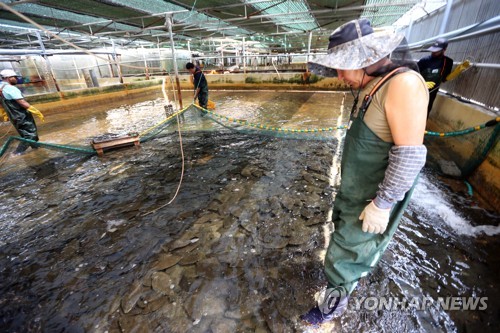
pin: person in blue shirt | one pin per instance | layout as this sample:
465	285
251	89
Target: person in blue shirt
18	110
435	68
200	84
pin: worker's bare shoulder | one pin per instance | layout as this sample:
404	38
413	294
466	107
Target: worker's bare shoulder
410	81
407	96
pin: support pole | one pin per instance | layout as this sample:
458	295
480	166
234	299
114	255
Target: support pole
36	68
408	32
119	68
159	56
110	67
189	50
222	56
449	3
176	70
98	68
117	62
76	69
49	67
244	57
145	63
308	50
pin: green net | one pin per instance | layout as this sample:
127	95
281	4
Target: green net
454	153
155	130
459	153
65	148
247	127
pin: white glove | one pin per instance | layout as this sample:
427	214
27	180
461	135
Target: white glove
375	219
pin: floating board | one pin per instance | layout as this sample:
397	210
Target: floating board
110	143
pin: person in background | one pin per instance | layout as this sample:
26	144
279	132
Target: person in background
381	159
200	84
18	110
435	68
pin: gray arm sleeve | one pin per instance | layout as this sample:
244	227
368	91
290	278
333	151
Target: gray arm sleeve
405	163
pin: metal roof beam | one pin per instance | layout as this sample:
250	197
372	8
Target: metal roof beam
242	4
114	32
98	22
107	21
127	21
322	11
264	9
102	28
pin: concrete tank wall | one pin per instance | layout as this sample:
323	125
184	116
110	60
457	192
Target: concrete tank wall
449	114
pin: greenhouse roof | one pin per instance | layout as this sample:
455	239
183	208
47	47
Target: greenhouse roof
281	25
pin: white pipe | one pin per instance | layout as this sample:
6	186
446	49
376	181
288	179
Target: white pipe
176	70
442	29
490	25
485	65
476	33
41	52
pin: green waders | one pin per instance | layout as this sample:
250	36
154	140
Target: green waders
203	97
22	120
352	253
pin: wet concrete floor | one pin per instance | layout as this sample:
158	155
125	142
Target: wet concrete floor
239	250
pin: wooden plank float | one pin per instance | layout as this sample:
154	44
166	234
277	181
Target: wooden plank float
107	143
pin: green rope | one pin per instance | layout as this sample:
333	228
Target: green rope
5	146
155	130
489	123
68	148
476	162
470	192
265	127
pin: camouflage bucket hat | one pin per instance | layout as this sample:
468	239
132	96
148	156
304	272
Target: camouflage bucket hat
354	45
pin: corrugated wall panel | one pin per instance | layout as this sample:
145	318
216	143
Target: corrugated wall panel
479	84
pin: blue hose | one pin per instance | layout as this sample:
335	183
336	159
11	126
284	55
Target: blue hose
469	188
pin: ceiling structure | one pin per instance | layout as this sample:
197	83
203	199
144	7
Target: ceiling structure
274	25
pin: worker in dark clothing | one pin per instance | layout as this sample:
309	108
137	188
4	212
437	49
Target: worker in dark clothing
200	84
18	110
435	68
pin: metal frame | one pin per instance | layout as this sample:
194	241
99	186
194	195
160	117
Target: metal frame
105	32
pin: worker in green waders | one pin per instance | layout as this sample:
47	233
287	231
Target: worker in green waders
18	110
382	156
